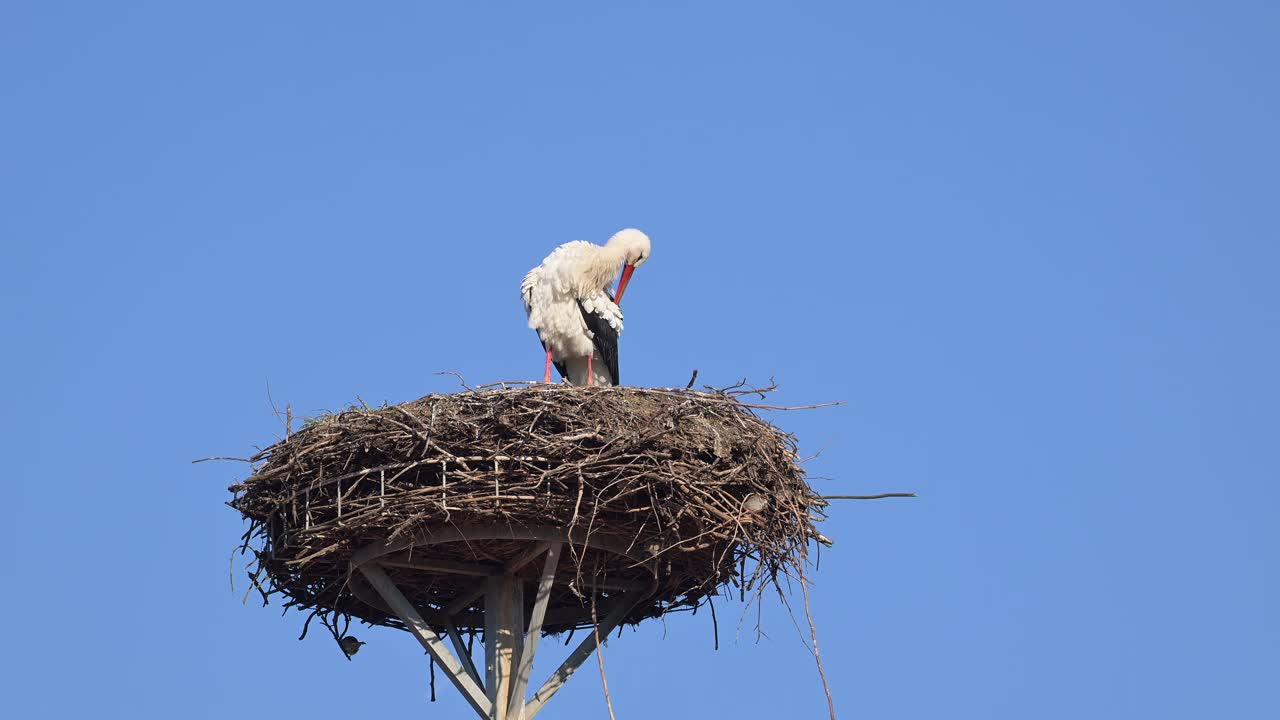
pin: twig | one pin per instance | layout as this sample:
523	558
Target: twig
813	634
692	379
757	406
595	628
461	380
715	625
288	419
815	455
881	496
504	383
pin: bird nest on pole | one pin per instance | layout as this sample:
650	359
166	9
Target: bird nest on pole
672	493
640	501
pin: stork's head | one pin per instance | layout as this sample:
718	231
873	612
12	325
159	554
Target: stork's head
634	247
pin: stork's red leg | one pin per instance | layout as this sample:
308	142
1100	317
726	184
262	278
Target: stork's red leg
591	376
546	377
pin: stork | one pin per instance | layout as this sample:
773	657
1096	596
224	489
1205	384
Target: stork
569	305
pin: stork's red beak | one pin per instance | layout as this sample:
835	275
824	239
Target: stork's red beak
622	282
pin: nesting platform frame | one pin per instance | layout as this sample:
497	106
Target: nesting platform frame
510	640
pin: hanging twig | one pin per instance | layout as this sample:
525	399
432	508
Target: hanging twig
595	628
813	634
715	625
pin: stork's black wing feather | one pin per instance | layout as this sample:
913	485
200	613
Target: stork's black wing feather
605	338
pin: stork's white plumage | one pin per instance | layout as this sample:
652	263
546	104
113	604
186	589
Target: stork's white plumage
570	307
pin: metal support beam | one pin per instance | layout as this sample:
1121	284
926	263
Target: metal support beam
580	654
528	556
515	707
493	591
441	566
510	646
428	637
459	647
464	600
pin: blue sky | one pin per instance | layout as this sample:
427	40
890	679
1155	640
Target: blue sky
1033	246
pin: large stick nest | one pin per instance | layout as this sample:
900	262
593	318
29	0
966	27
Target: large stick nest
676	494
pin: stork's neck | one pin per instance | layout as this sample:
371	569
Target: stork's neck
602	267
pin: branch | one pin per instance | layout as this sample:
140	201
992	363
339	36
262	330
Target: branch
461	380
881	496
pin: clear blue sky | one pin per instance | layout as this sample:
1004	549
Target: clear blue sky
1034	248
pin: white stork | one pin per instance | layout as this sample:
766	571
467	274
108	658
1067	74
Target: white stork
570	307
